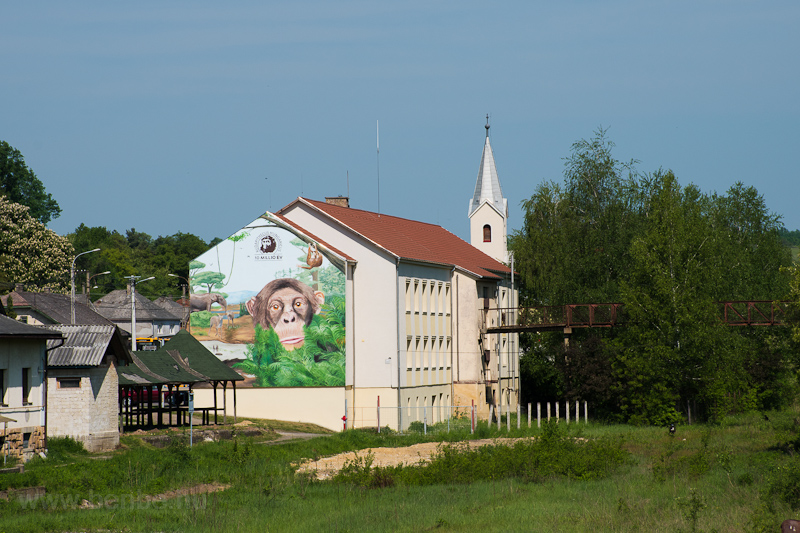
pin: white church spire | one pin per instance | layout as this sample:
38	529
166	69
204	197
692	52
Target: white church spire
487	188
488	210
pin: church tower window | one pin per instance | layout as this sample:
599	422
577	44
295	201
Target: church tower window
487	233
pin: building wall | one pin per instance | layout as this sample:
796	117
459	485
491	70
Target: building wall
372	301
323	406
147	328
425	329
428	343
88	412
26	435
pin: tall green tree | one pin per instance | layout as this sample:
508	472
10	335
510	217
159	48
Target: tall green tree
20	185
573	244
670	254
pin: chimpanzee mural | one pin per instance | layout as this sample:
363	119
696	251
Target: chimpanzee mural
271	304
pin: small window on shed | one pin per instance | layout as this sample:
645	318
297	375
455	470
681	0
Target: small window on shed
487	233
69	383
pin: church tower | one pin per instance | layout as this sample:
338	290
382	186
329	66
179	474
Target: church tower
488	210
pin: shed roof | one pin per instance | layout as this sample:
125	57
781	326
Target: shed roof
116	305
165	365
86	345
182	359
10	328
200	358
138	374
57	307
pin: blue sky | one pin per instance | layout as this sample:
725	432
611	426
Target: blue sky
197	116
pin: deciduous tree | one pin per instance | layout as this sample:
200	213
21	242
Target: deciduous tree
29	252
21	185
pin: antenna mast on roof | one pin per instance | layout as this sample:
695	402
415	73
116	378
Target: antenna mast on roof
378	138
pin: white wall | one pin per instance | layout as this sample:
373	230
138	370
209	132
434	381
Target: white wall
14	356
323	406
371	297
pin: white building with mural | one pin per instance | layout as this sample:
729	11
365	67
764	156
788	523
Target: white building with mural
330	311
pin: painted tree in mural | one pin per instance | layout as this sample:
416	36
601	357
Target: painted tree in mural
208	280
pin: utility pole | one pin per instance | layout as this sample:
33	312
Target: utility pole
72	285
133	280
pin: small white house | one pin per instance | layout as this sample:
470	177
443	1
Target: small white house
23	363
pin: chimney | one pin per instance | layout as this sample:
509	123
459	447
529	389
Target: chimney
19	287
341	201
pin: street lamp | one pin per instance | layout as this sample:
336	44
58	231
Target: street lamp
133	281
183	299
72	284
87	288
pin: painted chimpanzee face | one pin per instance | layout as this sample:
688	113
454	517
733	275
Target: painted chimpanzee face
286	305
289	310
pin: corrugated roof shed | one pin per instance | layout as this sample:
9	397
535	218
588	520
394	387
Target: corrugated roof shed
86	345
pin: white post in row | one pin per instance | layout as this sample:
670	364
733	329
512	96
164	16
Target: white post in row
566	410
538	414
548	411
519	413
557	415
585	412
529	415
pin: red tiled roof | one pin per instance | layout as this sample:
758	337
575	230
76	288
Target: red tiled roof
411	239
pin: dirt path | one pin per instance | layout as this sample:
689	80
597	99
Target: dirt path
326	467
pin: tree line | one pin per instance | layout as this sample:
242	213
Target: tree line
670	253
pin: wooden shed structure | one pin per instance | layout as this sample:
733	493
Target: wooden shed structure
171	371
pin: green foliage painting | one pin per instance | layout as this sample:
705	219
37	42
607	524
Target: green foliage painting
320	362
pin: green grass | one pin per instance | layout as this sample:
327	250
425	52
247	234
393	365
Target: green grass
741	475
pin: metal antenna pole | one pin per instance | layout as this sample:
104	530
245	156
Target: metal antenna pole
378	138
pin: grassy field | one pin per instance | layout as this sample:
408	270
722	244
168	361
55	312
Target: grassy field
741	475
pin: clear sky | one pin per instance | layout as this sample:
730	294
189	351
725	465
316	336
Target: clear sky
198	116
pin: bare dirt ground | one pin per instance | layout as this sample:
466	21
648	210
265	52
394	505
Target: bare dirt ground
326	467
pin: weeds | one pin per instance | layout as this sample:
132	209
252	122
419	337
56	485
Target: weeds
563	478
